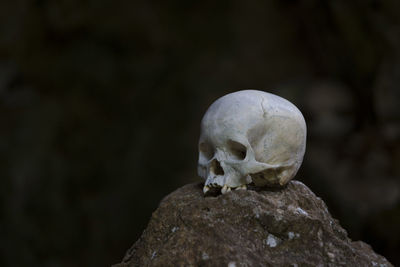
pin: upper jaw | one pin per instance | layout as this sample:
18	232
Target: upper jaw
224	189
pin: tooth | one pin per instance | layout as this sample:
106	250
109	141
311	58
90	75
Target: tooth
225	189
242	187
205	189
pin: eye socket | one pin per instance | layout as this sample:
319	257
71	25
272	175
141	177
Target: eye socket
206	150
237	150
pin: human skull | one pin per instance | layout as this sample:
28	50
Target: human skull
250	136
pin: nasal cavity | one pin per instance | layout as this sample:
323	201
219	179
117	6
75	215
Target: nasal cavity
216	168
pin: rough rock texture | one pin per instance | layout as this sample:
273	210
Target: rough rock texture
288	227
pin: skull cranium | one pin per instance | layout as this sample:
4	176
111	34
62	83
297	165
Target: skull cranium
250	136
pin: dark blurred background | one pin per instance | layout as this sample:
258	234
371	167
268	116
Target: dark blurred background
101	102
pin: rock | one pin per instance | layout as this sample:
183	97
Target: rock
287	227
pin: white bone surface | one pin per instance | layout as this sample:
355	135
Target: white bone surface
250	136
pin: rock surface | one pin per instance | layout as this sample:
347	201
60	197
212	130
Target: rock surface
288	227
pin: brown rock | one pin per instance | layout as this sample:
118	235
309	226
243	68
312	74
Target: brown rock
287	227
